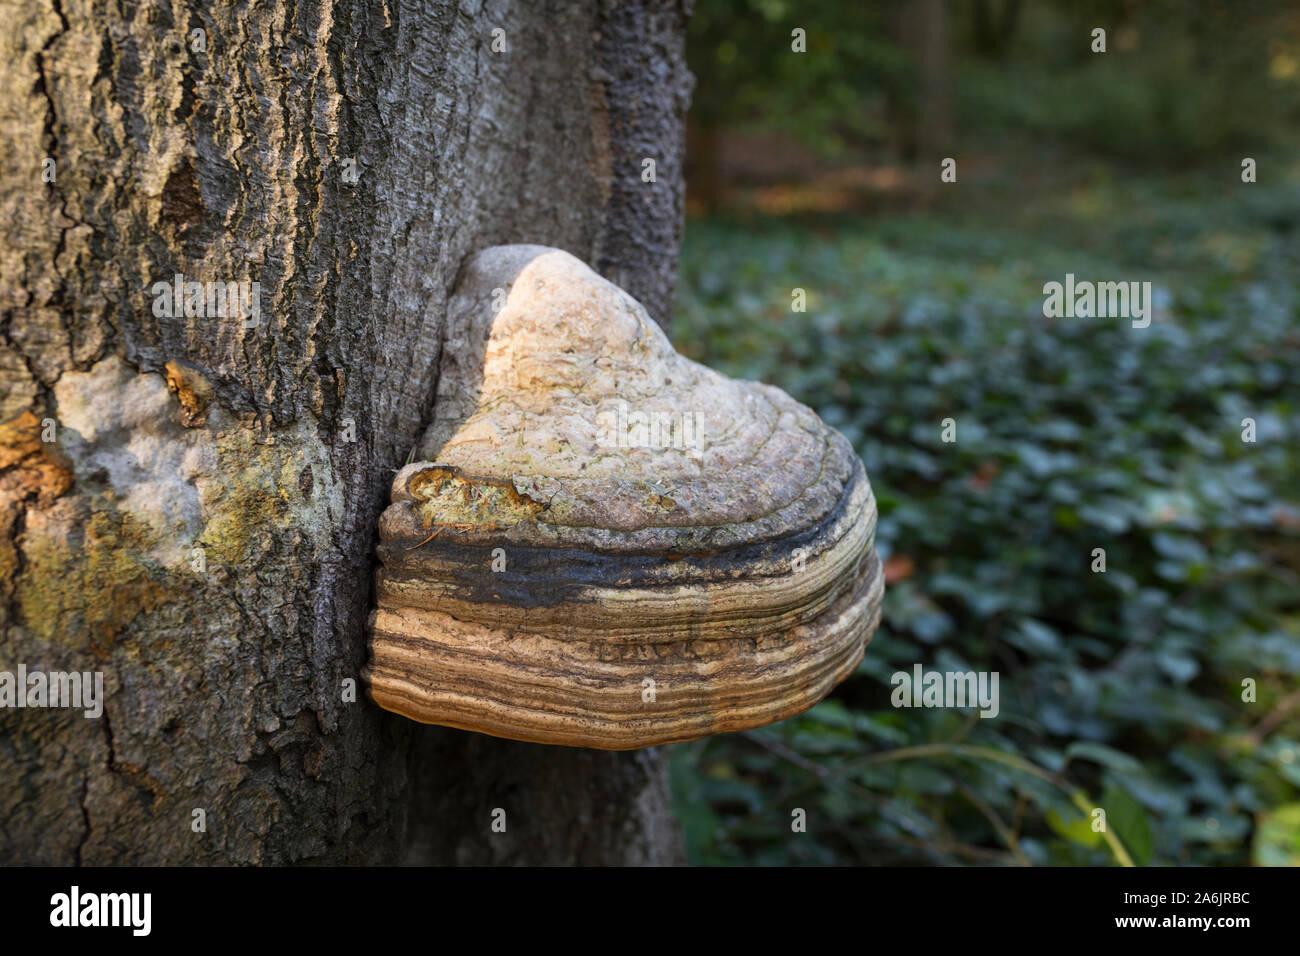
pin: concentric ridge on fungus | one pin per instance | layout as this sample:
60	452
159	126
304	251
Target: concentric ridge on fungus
555	571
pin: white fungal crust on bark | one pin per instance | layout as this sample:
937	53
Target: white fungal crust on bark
555	556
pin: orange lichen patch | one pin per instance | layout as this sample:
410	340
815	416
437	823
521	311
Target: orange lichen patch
30	469
192	390
29	466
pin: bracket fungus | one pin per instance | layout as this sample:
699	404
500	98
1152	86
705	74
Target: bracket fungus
604	544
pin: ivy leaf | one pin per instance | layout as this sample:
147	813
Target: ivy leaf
1128	820
1106	756
1074	827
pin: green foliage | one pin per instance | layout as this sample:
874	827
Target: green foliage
748	77
1119	690
1177	80
1277	841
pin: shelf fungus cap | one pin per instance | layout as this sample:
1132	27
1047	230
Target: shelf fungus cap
604	544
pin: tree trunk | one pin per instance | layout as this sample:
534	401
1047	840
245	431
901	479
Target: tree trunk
704	162
201	529
994	26
934	135
920	102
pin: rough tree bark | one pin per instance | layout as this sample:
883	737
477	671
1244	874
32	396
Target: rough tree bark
224	156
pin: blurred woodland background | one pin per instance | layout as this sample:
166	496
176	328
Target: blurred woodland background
1121	690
